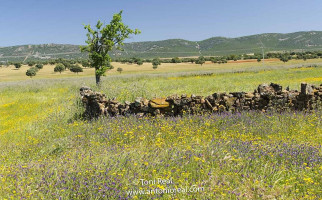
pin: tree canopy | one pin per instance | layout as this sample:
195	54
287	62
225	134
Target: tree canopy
101	40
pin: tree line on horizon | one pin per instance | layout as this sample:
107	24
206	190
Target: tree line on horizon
215	59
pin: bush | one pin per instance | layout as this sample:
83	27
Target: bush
39	66
85	63
175	60
31	63
200	60
76	69
59	68
156	61
17	65
31	72
139	62
119	69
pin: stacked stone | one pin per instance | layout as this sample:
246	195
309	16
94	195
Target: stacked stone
94	102
265	97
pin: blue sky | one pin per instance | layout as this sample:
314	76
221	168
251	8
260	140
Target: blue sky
61	21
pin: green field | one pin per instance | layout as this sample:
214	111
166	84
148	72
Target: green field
47	152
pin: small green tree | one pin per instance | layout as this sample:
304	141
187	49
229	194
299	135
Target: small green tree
155	63
258	59
285	58
119	69
76	69
139	62
85	63
31	72
175	60
201	60
102	40
17	65
39	66
59	68
31	63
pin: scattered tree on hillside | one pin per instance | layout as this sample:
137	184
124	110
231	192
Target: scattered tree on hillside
176	60
155	63
102	40
85	63
39	66
59	68
285	58
31	63
17	65
31	72
201	60
139	62
119	69
76	69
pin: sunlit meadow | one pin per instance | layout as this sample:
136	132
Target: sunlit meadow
48	152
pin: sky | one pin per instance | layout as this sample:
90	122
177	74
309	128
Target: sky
61	21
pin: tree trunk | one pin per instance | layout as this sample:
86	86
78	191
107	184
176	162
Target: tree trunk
98	79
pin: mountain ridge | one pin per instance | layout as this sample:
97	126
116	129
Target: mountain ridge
214	46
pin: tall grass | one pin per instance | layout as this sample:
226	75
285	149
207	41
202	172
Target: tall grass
47	154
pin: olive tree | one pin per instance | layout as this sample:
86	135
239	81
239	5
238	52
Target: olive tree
31	72
39	66
155	63
59	68
201	60
76	68
17	65
101	40
119	69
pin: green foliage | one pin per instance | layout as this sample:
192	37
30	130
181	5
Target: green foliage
31	63
76	68
52	62
200	60
17	65
119	69
176	60
85	63
59	68
258	59
39	66
155	63
102	40
285	57
31	72
139	62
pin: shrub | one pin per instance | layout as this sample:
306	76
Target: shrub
156	62
31	72
85	63
175	60
200	60
59	68
119	69
17	65
39	66
31	63
76	69
139	62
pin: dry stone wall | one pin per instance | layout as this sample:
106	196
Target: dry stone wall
266	97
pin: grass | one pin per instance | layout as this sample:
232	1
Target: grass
12	74
47	153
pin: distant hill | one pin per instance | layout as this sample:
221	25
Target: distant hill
310	40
